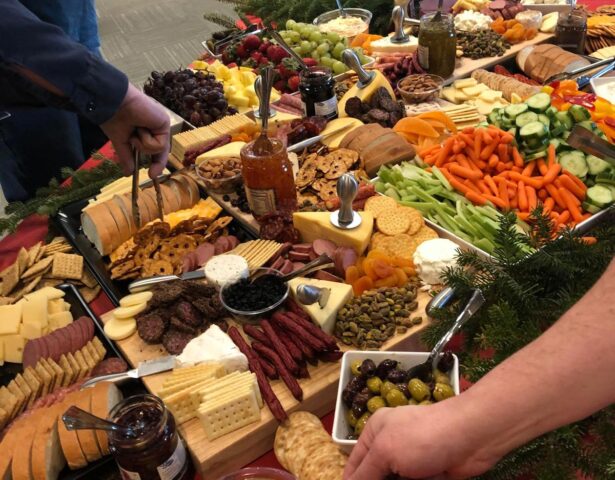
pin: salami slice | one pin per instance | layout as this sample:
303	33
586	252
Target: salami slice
31	353
322	245
110	366
54	346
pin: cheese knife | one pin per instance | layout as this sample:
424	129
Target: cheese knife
148	283
299	146
148	367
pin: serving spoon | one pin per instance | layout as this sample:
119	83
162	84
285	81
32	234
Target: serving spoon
76	418
262	145
341	8
320	263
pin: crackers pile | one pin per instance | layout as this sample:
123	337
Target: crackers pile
601	30
318	173
45	265
463	115
304	448
256	252
46	377
158	249
400	229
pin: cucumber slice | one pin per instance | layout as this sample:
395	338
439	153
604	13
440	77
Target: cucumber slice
574	164
590	207
533	130
542	118
607	178
514	110
525	118
591	126
539	103
596	165
560	131
565	134
494	118
551	112
558	144
600	196
533	145
579	113
513	131
565	119
535	156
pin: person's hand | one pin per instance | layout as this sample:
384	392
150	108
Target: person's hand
142	124
418	442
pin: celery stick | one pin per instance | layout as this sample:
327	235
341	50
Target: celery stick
440	176
392	193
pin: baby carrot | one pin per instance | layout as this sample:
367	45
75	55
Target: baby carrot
548	205
491	184
479	163
575	179
476	198
456	147
563	217
457	184
513	201
531	198
554	192
493	161
529	169
486	137
571	205
517	159
570	185
483	187
550	155
542	166
477	145
522	197
488	150
542	194
497	201
465	172
501	167
589	240
467	139
462	160
426	151
444	152
471	185
534	182
468	130
517	169
503	152
552	172
503	194
506	138
523	215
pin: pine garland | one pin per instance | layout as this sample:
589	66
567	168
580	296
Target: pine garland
48	200
530	282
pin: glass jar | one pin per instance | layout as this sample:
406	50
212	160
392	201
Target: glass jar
571	30
317	88
156	451
437	44
268	180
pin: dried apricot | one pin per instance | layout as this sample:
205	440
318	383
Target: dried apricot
380	255
352	274
359	265
382	269
362	284
368	268
402	262
402	278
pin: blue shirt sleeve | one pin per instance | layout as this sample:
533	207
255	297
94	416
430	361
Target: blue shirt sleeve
92	87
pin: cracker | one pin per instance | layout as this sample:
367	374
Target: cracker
39	268
33	253
4	417
328	189
349	157
90	294
50	282
7	300
28	287
67	266
401	245
10	279
337	169
379	204
392	223
416	219
23	258
87	279
377	237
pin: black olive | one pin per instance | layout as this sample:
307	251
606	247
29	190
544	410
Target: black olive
397	376
368	367
359	405
353	388
446	362
421	371
385	366
348	396
403	388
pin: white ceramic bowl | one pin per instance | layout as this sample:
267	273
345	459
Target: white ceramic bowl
341	429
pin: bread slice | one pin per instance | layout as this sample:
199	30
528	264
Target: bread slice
99	227
183	190
71	448
7	446
122	225
171	202
21	466
47	457
193	187
149	199
105	396
87	438
123	201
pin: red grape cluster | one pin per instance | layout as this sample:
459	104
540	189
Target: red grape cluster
195	96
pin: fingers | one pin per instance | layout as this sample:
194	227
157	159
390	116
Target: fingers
159	161
155	145
125	156
373	466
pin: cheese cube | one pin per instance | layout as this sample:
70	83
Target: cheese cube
490	96
465	82
35	310
10	318
30	330
315	225
13	348
323	317
49	292
59	320
55	306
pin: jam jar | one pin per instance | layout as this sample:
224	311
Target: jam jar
317	88
154	450
437	44
571	31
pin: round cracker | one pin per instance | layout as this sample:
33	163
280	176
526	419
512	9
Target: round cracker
379	204
392	223
305	443
322	463
401	245
376	239
416	219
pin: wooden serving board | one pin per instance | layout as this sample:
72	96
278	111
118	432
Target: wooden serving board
466	66
237	449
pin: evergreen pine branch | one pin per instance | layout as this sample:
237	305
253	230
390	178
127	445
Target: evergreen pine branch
220	19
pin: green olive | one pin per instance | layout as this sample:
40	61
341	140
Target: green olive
395	398
386	387
375	403
412	401
440	377
442	391
374	384
355	367
426	402
351	418
418	389
358	428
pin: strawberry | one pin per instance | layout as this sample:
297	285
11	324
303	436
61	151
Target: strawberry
310	62
256	56
288	67
231	65
280	85
276	54
264	46
264	62
251	42
242	52
293	83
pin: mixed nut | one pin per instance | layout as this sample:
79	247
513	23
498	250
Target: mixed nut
219	168
419	87
390	385
481	44
368	320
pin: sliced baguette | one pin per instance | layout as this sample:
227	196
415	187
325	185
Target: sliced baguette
87	438
123	227
11	438
123	201
149	199
105	396
195	192
47	456
171	202
99	227
21	466
71	448
183	188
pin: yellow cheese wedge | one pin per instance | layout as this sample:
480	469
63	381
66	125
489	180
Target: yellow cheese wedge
118	329
13	348
363	93
136	299
129	312
10	316
232	149
30	331
334	140
315	225
323	317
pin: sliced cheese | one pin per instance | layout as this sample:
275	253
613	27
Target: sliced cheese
55	306
10	318
30	331
476	90
490	96
50	292
129	312
35	310
232	149
315	225
348	124
13	348
385	45
1	352
465	83
118	329
323	317
59	320
136	299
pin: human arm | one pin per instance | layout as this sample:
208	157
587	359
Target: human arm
553	381
39	62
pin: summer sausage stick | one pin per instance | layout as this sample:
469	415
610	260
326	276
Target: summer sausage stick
297	330
314	330
296	309
269	369
279	347
293	349
257	334
306	352
333	356
285	374
255	366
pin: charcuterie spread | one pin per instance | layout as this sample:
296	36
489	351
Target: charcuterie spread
281	256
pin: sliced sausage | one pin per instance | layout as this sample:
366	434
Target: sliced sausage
277	265
74	333
343	258
85	331
287	267
204	253
109	366
31	353
322	245
64	339
324	275
234	241
302	247
54	346
298	256
297	266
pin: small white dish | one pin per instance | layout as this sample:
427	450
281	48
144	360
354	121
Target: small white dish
604	87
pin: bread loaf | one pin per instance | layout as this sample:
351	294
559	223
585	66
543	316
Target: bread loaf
69	439
541	62
47	457
87	438
105	396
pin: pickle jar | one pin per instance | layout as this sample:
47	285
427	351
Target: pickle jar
154	450
437	44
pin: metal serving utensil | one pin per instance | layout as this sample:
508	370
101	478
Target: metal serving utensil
145	368
574	73
588	142
280	41
135	191
346	218
340	7
310	294
258	88
262	145
398	16
476	301
77	419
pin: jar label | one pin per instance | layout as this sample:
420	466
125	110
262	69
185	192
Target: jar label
261	201
424	56
175	464
127	475
328	108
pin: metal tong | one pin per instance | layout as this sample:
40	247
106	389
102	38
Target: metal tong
136	215
586	141
609	62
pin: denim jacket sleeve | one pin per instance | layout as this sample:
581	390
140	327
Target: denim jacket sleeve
92	87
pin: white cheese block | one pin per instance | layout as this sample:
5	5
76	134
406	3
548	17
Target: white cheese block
129	312
232	149
384	45
324	317
226	269
10	318
213	346
118	329
433	257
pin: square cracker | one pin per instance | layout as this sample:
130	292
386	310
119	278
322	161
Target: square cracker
39	268
4	417
90	294
87	279
69	373
34	382
33	253
59	372
8	401
100	348
18	393
44	376
67	266
22	260
89	360
25	388
52	373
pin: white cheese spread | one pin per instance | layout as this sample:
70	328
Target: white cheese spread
213	346
226	269
432	257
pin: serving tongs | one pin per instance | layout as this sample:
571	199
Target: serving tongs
582	139
220	44
136	215
609	62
